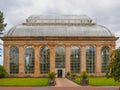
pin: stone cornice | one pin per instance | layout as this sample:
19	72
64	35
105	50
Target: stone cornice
59	38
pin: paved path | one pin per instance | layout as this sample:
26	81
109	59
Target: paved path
63	82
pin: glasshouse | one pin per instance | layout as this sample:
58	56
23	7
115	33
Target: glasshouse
57	43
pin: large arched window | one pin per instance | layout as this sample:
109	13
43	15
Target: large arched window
75	59
60	57
105	52
90	59
14	60
29	59
44	59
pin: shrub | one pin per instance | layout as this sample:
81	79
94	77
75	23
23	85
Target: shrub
84	75
68	73
84	79
2	72
51	75
73	75
51	81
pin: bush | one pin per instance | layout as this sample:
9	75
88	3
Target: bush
2	72
68	74
84	79
73	76
51	75
84	75
51	81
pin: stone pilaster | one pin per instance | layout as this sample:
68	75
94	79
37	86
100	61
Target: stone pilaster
112	48
6	58
37	61
67	62
52	59
98	60
83	58
21	60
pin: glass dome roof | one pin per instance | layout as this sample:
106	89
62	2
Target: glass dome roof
63	25
58	18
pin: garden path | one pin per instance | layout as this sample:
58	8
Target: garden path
63	82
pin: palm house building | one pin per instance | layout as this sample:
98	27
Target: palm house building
57	43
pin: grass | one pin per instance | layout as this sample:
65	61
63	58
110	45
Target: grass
23	81
100	81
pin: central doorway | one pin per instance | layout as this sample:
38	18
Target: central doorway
59	73
60	61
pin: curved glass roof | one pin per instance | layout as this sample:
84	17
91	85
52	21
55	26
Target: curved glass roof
58	19
88	29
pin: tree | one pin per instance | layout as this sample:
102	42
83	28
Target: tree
114	66
2	72
2	24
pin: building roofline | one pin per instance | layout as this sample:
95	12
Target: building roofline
59	38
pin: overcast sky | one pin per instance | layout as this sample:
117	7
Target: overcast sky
103	12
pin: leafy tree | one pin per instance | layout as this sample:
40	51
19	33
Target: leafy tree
2	24
2	72
114	66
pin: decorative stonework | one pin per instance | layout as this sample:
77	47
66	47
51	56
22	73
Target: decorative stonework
36	44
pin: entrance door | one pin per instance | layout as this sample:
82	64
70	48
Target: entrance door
59	73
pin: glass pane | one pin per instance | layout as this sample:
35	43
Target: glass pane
105	58
29	59
75	59
60	57
44	59
90	59
14	60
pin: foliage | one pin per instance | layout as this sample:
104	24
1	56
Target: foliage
2	72
2	25
114	66
84	75
68	73
73	75
24	82
51	76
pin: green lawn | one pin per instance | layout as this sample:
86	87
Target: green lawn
101	81
23	81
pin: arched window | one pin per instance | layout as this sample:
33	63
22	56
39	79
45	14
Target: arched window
90	59
29	59
44	59
105	52
14	60
60	57
75	59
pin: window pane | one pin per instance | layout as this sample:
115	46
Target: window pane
44	59
75	59
60	57
90	59
105	58
29	59
14	60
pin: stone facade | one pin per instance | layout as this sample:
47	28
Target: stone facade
21	44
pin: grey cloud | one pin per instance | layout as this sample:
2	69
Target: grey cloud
104	12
